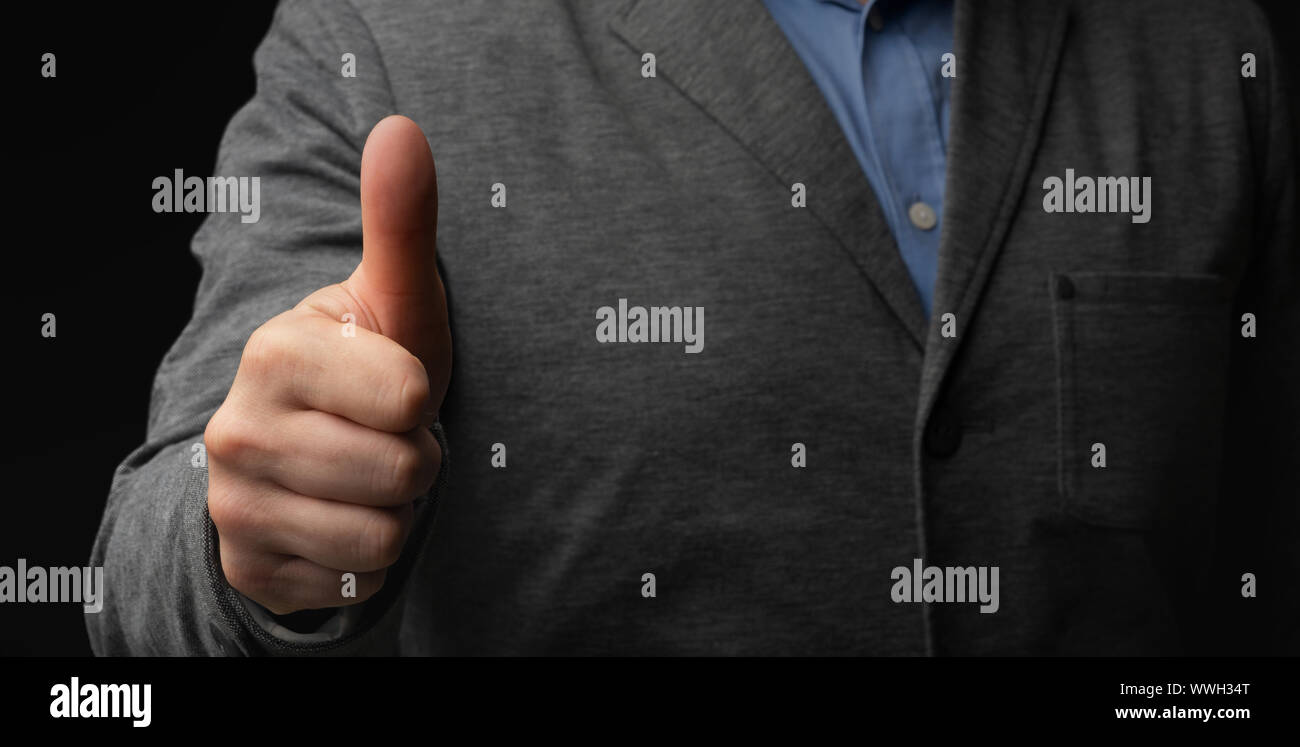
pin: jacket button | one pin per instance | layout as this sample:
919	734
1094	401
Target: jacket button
942	436
1064	288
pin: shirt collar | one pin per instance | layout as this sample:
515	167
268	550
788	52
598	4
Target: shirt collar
849	4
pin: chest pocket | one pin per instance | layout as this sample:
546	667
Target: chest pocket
1142	366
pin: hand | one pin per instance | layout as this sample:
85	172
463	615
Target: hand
322	443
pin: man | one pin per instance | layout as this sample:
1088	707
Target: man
1004	364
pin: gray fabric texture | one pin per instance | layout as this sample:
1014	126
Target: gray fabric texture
625	459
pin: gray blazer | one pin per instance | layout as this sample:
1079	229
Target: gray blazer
970	450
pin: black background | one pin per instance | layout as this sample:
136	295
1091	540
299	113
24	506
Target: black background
142	89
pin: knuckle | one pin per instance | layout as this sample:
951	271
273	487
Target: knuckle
219	511
381	540
260	350
269	348
225	438
433	465
232	516
257	581
240	574
411	387
406	469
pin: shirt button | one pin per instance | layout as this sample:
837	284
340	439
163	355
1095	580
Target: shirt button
876	20
922	216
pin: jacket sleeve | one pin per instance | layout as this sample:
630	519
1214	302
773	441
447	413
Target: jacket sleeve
1259	512
301	134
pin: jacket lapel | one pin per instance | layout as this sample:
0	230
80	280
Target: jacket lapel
1007	52
734	62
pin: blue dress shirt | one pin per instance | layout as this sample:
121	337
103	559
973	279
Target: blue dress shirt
879	64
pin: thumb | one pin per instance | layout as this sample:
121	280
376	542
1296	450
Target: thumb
399	210
397	281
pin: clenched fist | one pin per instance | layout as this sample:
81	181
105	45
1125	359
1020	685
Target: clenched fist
322	443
